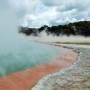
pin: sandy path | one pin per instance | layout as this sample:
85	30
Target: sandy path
25	80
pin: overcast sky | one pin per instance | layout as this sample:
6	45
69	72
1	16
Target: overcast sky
35	13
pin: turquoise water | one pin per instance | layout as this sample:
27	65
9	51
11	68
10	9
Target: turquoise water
24	54
16	52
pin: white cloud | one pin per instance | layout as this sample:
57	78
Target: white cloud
39	19
27	5
52	12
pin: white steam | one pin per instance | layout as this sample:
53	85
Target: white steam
43	37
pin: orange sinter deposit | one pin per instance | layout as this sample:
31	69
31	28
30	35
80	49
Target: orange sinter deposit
25	80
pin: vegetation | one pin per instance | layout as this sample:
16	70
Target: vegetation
77	28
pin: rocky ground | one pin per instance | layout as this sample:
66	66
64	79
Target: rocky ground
76	77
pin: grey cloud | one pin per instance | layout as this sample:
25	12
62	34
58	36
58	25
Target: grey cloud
53	12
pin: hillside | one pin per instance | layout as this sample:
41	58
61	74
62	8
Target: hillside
78	28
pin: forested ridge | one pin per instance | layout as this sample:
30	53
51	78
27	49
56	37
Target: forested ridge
77	28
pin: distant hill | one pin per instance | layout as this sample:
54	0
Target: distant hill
77	28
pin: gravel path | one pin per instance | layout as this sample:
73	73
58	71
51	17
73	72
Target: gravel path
76	77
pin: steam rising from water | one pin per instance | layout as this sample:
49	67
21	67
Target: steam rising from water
43	37
17	52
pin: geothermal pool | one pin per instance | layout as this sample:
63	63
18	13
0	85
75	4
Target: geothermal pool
17	53
24	54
